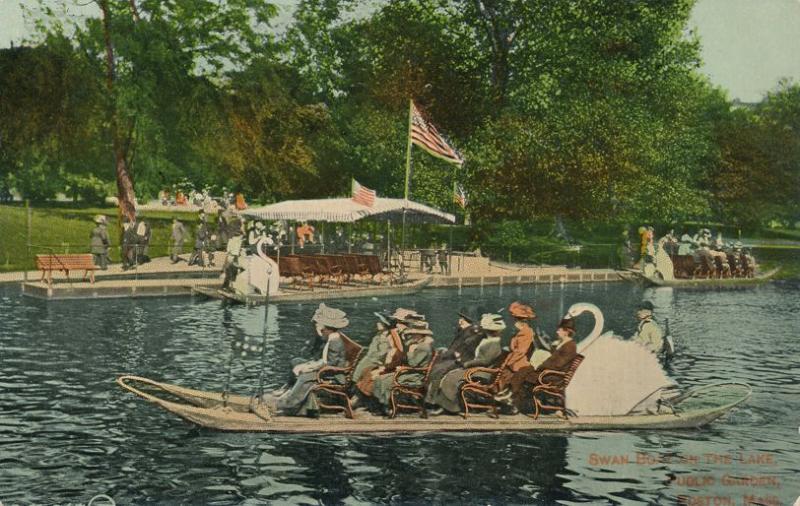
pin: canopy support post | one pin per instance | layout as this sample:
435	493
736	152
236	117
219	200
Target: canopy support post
450	251
389	244
350	237
322	239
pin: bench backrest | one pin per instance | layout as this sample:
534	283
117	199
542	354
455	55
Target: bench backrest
64	262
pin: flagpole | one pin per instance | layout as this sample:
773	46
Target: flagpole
408	175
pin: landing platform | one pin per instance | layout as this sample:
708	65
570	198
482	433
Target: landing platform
117	288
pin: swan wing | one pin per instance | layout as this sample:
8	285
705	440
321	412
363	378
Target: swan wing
614	377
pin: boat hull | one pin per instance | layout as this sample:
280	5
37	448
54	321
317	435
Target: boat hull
242	414
317	295
713	282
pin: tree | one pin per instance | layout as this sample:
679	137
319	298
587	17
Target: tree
148	48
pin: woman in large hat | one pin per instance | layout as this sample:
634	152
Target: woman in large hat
419	343
488	352
389	352
521	346
461	350
329	323
99	242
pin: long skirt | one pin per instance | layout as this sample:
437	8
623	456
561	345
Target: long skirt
522	383
448	394
438	372
299	400
366	383
382	389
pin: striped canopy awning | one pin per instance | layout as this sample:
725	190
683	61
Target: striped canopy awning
344	210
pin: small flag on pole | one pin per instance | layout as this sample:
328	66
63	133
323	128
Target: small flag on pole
460	197
363	195
425	135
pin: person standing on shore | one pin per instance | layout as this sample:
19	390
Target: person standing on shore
143	234
199	245
178	236
99	242
128	244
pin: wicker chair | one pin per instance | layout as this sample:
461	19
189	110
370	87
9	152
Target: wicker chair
553	384
474	387
337	394
415	393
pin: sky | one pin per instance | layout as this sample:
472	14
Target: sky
747	45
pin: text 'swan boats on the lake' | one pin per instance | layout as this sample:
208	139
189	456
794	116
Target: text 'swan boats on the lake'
614	384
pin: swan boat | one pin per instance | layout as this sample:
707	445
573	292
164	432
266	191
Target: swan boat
641	397
349	292
240	413
759	278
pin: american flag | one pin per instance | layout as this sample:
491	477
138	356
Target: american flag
363	195
460	197
425	135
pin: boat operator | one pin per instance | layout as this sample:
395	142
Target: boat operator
648	333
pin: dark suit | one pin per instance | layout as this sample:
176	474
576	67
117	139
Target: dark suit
465	343
527	378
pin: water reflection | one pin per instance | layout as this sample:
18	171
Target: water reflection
67	432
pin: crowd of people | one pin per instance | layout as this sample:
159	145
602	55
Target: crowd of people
403	339
700	255
183	195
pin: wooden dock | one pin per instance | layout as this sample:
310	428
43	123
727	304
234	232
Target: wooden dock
162	279
117	288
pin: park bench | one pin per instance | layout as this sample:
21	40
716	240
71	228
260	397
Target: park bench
50	262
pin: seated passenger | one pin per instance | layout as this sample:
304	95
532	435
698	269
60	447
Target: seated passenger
487	354
378	347
387	358
461	350
686	245
563	353
648	333
419	346
299	400
521	347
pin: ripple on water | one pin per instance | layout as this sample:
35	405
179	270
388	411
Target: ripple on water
67	432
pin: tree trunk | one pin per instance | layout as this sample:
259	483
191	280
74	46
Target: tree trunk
125	195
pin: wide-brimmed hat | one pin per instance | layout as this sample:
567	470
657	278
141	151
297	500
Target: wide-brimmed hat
99	219
259	225
521	311
492	321
466	318
330	317
407	315
646	305
417	329
385	318
567	324
737	245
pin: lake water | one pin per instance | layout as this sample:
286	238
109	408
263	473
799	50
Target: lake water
67	432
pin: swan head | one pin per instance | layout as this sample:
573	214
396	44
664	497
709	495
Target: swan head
579	308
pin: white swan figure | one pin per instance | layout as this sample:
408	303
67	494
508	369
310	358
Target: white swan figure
664	262
616	377
260	273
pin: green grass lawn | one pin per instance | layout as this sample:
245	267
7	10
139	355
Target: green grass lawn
64	229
